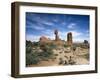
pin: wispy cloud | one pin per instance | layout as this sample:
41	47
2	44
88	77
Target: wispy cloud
42	24
80	39
76	33
79	36
36	27
71	25
33	38
48	31
46	22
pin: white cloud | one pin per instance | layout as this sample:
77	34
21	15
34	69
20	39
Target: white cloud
71	26
32	37
52	37
77	36
43	21
64	23
75	33
36	38
63	35
87	31
80	39
38	28
47	23
55	20
48	33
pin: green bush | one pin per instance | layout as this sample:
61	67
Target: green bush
29	43
28	50
65	45
52	46
35	44
86	56
34	56
31	59
47	51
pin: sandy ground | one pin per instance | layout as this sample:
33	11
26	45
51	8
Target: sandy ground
65	56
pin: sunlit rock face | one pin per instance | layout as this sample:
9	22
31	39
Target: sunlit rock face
43	39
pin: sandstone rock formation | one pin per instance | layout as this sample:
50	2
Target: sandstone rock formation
69	39
57	40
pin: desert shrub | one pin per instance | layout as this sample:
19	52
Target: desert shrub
74	48
31	55
34	56
28	47
28	43
56	54
71	61
86	56
52	46
35	44
28	50
32	59
47	53
65	45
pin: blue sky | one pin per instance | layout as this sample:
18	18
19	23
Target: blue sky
44	24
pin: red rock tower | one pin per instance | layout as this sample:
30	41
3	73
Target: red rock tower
56	35
69	39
